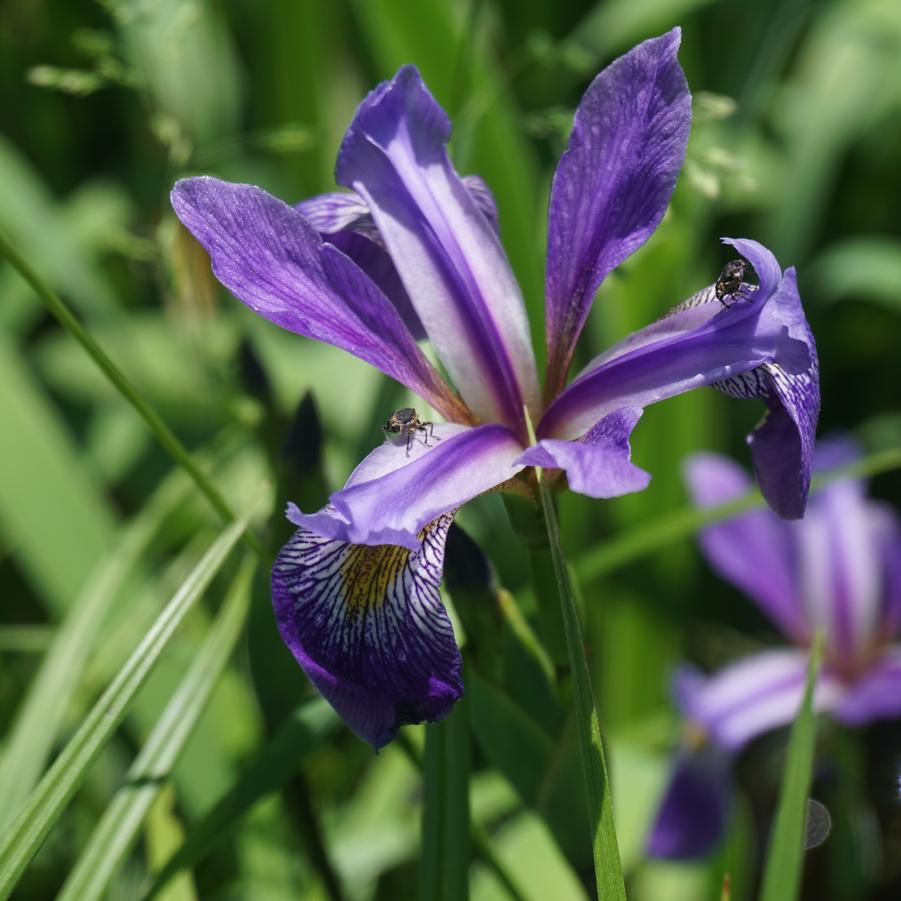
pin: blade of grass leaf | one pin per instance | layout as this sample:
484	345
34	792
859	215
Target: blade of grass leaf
446	854
47	802
25	640
785	853
636	543
41	711
607	866
272	767
479	838
164	434
118	828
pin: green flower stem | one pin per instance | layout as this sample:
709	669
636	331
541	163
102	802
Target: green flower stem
607	865
164	434
636	543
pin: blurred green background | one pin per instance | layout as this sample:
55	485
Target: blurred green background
796	143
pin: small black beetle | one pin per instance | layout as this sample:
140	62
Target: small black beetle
407	422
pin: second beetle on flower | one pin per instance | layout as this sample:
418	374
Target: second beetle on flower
411	251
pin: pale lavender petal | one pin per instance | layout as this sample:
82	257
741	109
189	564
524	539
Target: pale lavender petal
694	809
598	464
445	250
391	497
875	694
613	183
754	550
841	568
268	256
367	626
757	346
753	696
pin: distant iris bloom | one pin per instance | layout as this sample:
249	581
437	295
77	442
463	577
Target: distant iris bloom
412	251
839	569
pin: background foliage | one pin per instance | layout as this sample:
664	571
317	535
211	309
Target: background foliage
796	142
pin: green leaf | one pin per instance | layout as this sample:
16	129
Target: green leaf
41	712
272	767
446	851
52	509
607	866
47	802
164	833
861	268
785	854
118	828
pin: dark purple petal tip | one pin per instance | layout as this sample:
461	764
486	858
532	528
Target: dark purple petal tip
367	626
694	811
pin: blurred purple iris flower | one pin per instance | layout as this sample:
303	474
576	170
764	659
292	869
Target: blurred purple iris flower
411	250
840	569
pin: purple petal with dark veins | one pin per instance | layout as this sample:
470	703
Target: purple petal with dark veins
694	810
391	496
268	256
756	346
875	694
367	626
757	694
598	464
446	252
755	550
613	183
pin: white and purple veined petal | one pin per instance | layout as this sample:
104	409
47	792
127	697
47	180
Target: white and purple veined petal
367	626
760	342
612	184
446	252
269	256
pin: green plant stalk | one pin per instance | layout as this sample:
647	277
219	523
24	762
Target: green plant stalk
163	433
115	834
636	543
51	796
479	838
605	849
785	853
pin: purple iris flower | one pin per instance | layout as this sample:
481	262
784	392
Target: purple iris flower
411	250
838	569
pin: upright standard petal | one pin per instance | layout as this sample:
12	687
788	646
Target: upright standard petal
391	496
598	464
753	696
759	345
446	252
367	626
269	257
612	185
755	550
694	810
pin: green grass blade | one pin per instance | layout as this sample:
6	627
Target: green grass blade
785	855
607	866
40	714
637	543
121	821
164	434
272	767
47	802
446	850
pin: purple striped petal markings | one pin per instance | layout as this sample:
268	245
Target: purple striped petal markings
366	624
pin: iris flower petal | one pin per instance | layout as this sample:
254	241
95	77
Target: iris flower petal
755	551
270	257
367	626
391	496
753	696
757	346
875	695
694	810
598	464
613	183
448	255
